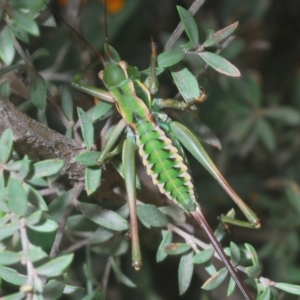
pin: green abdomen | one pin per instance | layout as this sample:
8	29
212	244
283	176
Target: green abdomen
164	164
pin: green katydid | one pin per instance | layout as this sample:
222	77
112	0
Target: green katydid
158	140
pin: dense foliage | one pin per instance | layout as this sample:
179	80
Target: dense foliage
65	237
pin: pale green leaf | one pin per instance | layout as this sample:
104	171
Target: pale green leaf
55	267
220	64
215	280
185	272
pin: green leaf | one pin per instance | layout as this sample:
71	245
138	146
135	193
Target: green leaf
92	179
35	198
34	218
166	240
220	64
47	167
187	84
266	133
176	248
8	230
19	33
58	206
48	226
266	294
7	49
215	280
71	289
170	58
6	144
55	267
103	217
287	115
38	91
16	296
88	158
189	25
67	102
25	167
100	110
150	215
101	235
185	272
5	88
87	128
36	253
252	254
53	290
25	21
235	254
9	257
220	35
203	256
12	276
121	276
253	272
231	286
290	288
292	192
17	198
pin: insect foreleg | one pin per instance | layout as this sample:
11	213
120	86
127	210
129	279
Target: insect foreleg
90	90
128	158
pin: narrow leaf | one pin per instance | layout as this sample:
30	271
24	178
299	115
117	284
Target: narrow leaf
290	288
220	64
17	198
67	102
92	179
121	276
287	115
9	257
8	230
88	158
203	256
151	215
166	240
235	254
25	21
176	248
231	286
55	267
12	276
7	49
6	143
187	84
103	217
38	91
16	296
215	280
100	110
185	272
170	58
189	25
87	128
53	290
48	226
220	35
47	167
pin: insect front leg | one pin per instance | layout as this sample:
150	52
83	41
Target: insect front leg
88	89
128	158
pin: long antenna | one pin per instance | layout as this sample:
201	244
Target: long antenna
78	34
106	31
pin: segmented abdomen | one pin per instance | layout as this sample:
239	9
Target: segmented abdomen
164	164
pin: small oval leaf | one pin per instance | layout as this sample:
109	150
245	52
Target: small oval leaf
55	267
290	288
215	280
151	215
176	248
169	58
88	158
17	198
220	64
6	144
87	128
47	167
185	272
103	217
203	256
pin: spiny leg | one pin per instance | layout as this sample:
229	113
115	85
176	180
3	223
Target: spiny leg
128	158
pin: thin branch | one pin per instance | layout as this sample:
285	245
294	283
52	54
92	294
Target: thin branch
62	224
